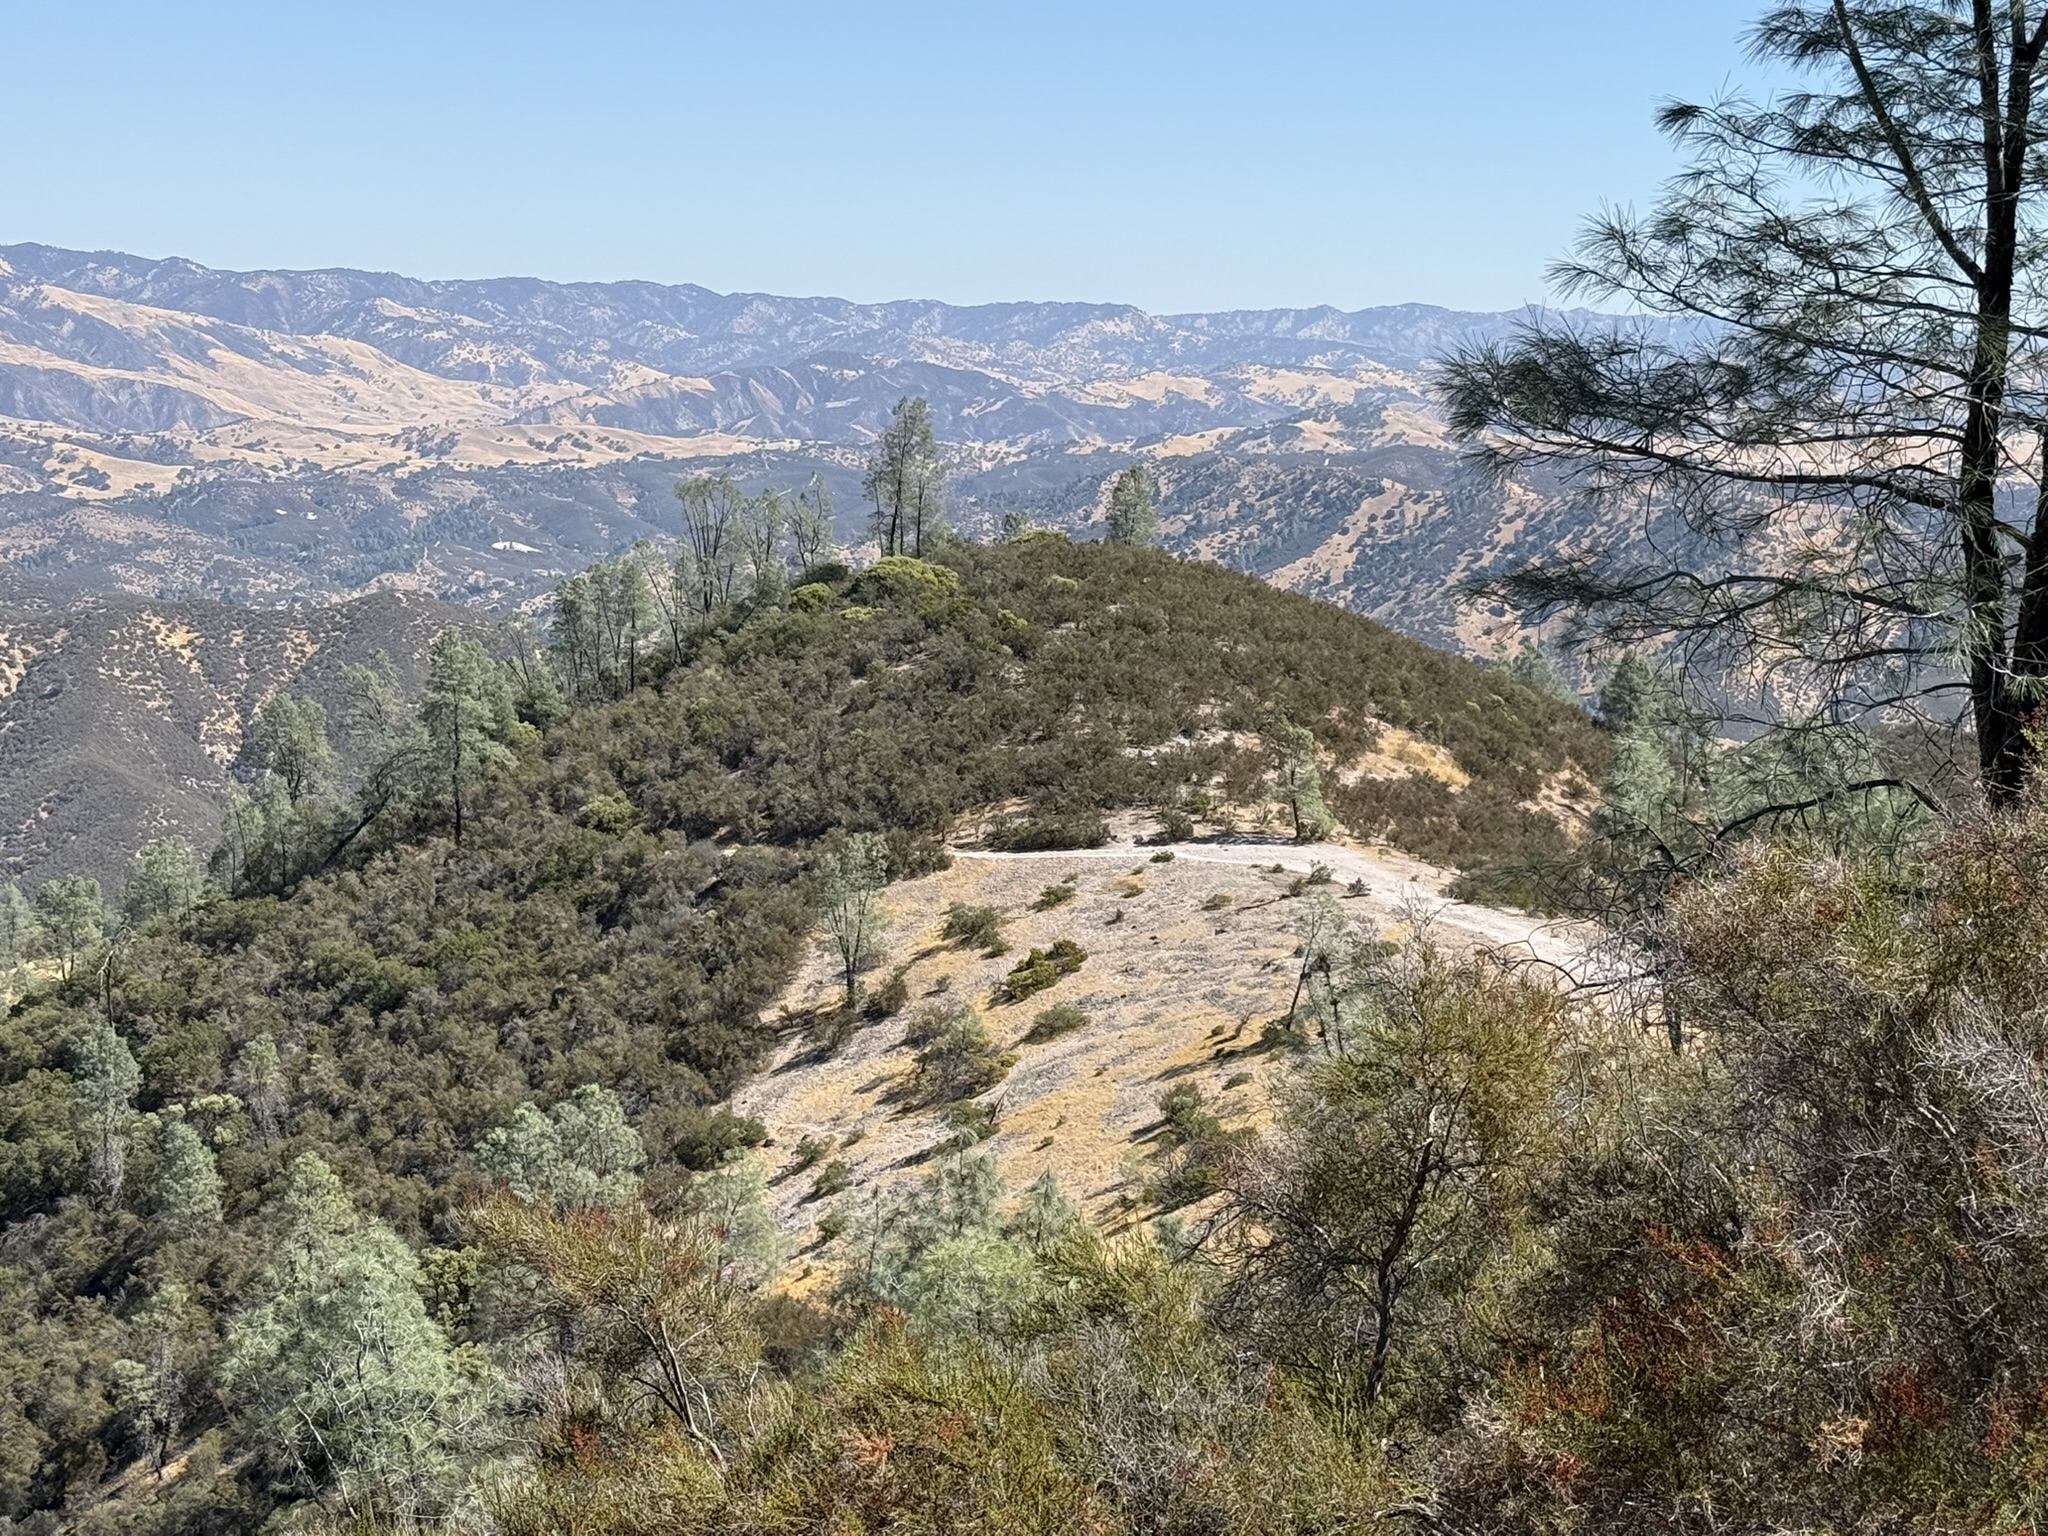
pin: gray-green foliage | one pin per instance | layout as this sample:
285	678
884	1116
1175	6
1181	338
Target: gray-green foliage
707	569
275	833
17	926
1298	783
187	1180
1044	1214
731	1202
71	916
338	1379
1131	518
764	523
940	1253
1539	669
604	617
906	481
580	1155
258	1079
466	722
291	740
163	882
104	1078
849	884
149	1383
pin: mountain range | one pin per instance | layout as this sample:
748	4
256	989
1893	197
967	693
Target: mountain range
169	431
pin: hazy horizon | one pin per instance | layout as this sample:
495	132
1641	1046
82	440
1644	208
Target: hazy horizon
1177	158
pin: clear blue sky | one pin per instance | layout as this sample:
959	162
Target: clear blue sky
1174	155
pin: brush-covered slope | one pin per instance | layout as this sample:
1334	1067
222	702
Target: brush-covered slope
630	897
124	720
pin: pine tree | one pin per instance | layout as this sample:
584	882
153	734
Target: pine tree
104	1078
810	525
466	716
151	1388
337	1377
187	1181
1044	1214
708	566
291	740
1132	519
163	882
70	915
17	928
258	1080
850	881
1299	785
582	1155
906	480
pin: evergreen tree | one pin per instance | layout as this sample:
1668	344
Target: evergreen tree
763	523
104	1078
1821	439
291	740
17	927
732	1203
906	480
151	1386
187	1180
580	1156
1299	782
466	717
850	880
338	1379
708	567
163	882
70	917
1132	519
258	1079
1044	1214
1538	668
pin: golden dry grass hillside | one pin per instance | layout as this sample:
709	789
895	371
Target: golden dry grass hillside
1189	959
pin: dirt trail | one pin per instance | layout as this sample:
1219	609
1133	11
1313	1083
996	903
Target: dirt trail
1393	883
1188	960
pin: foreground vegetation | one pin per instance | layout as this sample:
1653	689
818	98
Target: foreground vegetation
252	1128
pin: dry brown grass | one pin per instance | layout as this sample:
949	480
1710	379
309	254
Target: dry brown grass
1174	990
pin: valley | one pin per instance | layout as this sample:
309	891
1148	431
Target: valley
169	431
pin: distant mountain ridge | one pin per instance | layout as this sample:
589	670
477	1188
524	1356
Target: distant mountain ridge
172	431
684	328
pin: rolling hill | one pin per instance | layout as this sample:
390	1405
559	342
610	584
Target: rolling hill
170	431
123	720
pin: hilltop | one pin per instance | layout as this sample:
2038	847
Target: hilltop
167	430
629	907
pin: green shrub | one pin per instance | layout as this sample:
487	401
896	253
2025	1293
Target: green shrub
956	1059
1039	970
903	578
891	997
613	815
1060	1019
1163	856
811	597
833	1179
976	927
1053	896
1217	902
1046	831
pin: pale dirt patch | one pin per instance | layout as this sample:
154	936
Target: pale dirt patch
1174	992
1400	754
